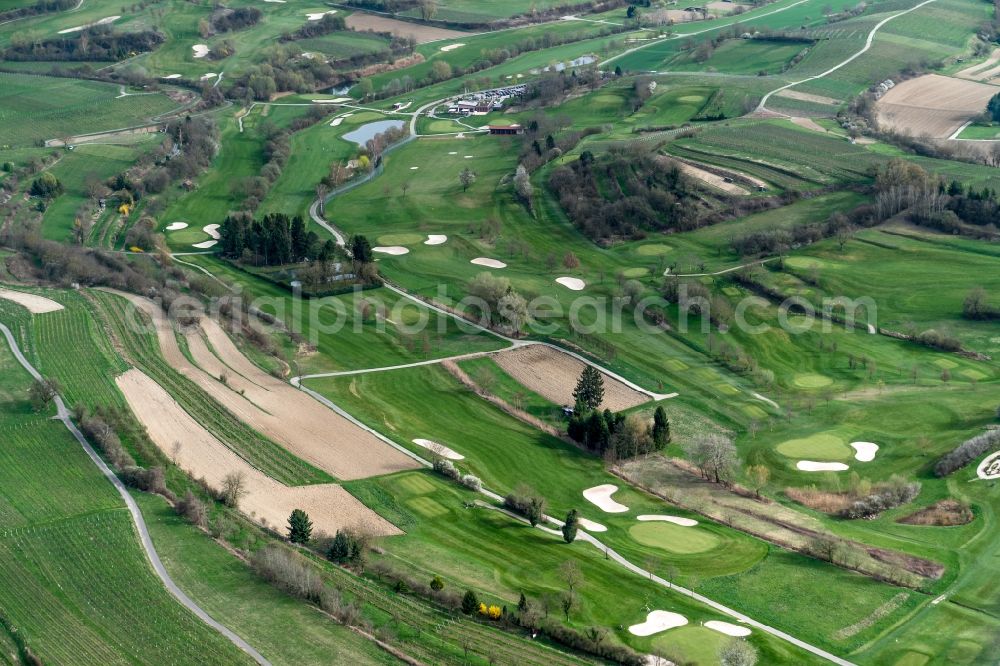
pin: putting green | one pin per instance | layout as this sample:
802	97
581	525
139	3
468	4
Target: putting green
728	389
691	99
653	249
676	539
635	272
415	485
400	239
427	507
754	412
811	381
806	262
821	446
975	375
946	363
676	364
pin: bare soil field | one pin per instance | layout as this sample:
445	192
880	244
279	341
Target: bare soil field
553	375
712	179
32	302
201	455
932	106
277	410
422	33
807	97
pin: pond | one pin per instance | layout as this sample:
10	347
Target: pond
363	134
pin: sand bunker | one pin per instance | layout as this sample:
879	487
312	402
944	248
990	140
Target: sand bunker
990	467
453	153
200	50
171	76
212	230
728	628
553	374
811	466
676	520
600	496
209	75
489	263
103	21
439	449
414	168
572	283
658	621
315	16
436	239
267	501
864	451
204	245
31	302
451	47
177	226
392	249
468	157
290	417
591	526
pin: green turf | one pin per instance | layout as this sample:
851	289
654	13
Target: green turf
674	538
821	446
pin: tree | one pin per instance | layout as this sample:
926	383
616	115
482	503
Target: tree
570	527
589	390
470	602
467	178
233	489
993	108
759	476
428	8
522	185
661	428
299	527
522	603
976	305
570	261
738	653
715	455
437	583
46	186
536	510
571	575
361	250
340	548
42	392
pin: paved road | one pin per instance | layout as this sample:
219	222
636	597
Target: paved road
140	523
868	44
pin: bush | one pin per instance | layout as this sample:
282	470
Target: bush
472	482
289	571
966	452
446	468
895	493
192	509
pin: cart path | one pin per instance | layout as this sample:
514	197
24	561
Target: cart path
868	44
140	523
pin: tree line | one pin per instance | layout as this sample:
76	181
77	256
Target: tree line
98	43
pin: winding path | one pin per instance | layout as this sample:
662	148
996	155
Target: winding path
762	106
140	523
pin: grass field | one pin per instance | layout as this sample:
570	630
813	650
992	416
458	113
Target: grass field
736	56
34	109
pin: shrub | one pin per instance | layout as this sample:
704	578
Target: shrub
966	452
446	468
470	602
472	482
288	571
192	509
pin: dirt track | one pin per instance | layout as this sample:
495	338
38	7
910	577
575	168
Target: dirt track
807	97
288	416
268	502
553	375
712	179
932	106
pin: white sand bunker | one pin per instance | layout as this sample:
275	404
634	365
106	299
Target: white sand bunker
811	466
453	153
208	75
169	77
728	628
32	302
78	28
864	451
468	157
658	621
315	16
988	469
439	449
436	239
489	263
212	230
341	100
676	520
280	2
200	50
572	283
451	47
177	226
591	526
392	249
204	245
600	496
414	168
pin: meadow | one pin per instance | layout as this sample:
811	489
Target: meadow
34	109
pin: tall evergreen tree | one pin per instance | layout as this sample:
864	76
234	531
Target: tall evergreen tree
661	428
361	250
299	527
590	388
300	240
470	602
571	525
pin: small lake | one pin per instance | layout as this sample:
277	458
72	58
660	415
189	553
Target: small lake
363	134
